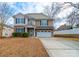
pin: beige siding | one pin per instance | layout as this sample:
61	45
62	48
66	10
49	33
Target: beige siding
50	23
45	30
37	23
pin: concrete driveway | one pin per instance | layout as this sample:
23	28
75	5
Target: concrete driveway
58	47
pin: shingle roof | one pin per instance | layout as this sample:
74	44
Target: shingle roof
37	16
18	14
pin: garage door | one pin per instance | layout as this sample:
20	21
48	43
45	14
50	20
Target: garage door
44	34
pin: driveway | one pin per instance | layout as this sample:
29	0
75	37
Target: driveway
58	47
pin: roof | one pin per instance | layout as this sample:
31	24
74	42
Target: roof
37	16
18	14
64	27
34	15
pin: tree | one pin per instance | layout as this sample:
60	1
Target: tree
5	13
53	10
75	5
73	18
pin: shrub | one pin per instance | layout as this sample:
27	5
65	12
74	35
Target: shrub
25	34
71	27
22	34
14	34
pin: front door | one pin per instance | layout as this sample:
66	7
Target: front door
31	31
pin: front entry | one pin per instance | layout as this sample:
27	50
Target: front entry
30	31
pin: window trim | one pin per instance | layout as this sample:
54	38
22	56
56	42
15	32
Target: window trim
21	29
20	21
45	23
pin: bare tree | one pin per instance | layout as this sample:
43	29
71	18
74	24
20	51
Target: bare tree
5	13
53	10
75	5
73	18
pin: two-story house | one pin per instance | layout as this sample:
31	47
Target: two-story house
37	24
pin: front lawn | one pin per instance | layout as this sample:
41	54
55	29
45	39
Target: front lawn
74	39
66	38
22	47
67	35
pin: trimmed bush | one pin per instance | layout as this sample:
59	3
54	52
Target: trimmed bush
19	34
14	34
25	34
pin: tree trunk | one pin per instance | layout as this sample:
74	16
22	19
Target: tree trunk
1	30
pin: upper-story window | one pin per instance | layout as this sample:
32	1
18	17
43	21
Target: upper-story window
44	23
31	22
20	20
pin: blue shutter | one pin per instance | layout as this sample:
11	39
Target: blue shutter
16	20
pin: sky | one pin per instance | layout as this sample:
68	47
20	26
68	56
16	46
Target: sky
29	7
38	7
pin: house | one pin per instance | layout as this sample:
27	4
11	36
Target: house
7	31
64	27
37	24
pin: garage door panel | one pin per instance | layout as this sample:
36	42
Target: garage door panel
44	34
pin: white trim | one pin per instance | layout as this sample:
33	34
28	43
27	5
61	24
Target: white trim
34	31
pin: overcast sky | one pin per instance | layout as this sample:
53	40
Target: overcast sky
29	7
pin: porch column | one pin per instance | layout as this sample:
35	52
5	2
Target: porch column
25	29
34	31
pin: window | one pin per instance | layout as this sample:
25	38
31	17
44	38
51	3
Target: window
30	22
20	20
20	29
44	23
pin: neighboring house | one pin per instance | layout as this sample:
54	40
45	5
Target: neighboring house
37	24
7	32
64	27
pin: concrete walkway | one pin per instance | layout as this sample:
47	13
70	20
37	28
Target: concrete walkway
58	47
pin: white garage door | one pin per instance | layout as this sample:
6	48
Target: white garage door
44	34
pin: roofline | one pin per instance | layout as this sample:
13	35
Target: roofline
32	13
17	14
